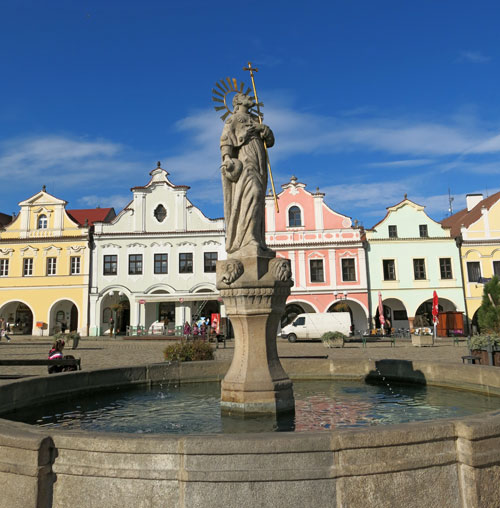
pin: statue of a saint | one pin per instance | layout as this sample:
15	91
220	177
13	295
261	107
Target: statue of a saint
244	179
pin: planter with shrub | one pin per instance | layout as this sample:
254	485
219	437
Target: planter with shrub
333	339
74	337
192	351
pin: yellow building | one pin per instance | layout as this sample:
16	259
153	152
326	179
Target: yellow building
477	229
44	267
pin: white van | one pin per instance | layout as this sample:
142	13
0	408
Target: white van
314	325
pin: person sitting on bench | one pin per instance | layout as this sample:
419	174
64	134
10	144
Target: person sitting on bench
56	353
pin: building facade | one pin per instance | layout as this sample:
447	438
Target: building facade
154	264
477	228
326	254
44	268
409	257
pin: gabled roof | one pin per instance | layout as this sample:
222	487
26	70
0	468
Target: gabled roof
466	218
92	215
159	176
396	207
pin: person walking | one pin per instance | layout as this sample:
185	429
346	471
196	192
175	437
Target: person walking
3	329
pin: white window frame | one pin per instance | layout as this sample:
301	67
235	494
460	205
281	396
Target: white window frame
4	267
302	217
45	219
27	267
51	266
310	271
75	262
355	269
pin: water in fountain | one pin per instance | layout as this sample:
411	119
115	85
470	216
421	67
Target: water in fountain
195	408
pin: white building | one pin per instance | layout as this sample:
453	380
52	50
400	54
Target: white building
155	261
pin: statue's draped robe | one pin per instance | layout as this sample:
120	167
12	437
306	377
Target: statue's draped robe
244	200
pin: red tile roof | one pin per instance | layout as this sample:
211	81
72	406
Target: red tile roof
466	218
92	215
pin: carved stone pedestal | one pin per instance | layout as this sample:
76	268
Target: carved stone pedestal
254	291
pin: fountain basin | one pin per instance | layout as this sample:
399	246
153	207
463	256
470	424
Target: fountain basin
436	463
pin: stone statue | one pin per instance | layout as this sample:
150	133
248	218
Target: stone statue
244	179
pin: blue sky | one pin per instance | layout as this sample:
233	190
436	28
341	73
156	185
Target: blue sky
368	100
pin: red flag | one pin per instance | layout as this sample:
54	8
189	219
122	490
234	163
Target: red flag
381	316
435	308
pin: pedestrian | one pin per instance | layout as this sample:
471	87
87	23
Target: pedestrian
203	330
3	329
64	326
111	326
187	329
195	330
387	327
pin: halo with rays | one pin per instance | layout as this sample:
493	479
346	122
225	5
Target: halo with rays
223	89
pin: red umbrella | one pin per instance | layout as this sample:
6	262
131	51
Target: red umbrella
435	308
381	316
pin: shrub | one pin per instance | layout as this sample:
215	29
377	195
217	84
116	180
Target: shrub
482	341
66	337
332	336
489	312
192	351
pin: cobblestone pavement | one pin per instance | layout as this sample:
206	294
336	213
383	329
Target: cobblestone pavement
97	352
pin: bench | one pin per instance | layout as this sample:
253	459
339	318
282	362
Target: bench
33	362
382	338
471	359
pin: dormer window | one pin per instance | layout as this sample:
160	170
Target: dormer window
294	217
42	222
160	213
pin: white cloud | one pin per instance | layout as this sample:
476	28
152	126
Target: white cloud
117	201
473	57
402	163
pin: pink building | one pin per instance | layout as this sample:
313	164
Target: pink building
326	252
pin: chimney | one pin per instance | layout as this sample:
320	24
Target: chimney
472	200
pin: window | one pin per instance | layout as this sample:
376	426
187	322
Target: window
445	268
110	264
389	269
393	231
399	315
160	213
75	265
496	268
348	270
27	267
161	263
474	271
4	267
60	316
316	268
106	315
135	264
419	269
51	266
301	321
294	217
42	222
210	260
423	231
186	262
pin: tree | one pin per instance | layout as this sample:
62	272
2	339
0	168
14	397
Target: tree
489	312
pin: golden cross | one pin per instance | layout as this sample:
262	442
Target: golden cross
252	70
